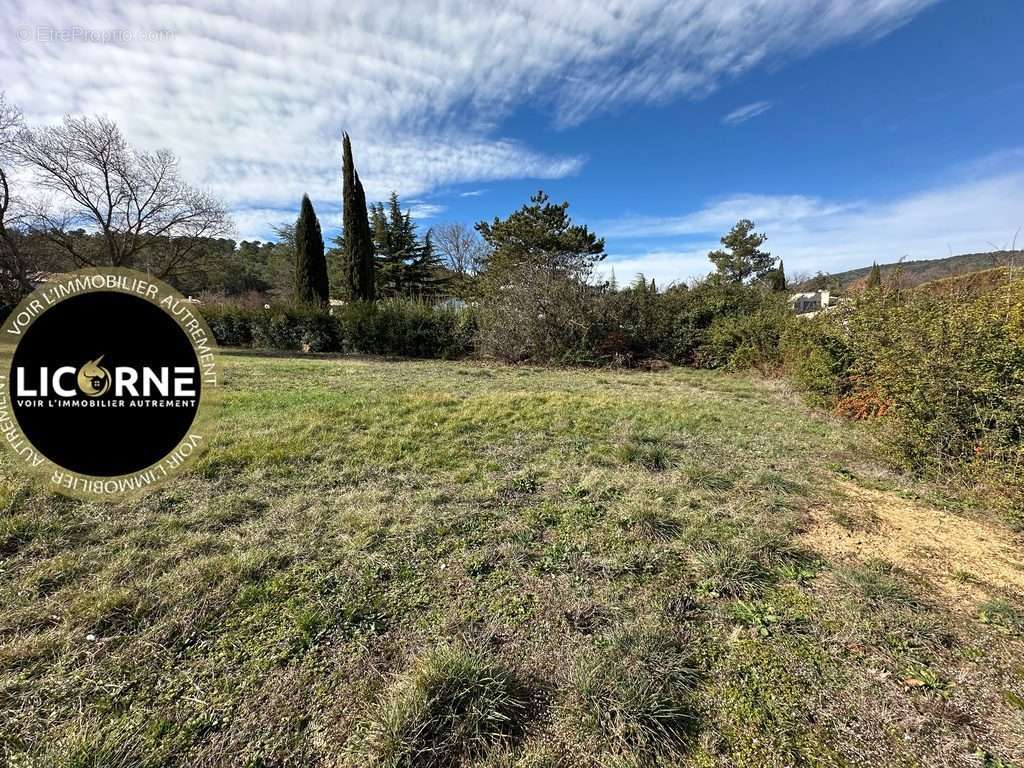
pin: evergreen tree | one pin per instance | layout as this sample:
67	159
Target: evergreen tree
389	267
874	277
425	274
535	283
540	236
406	265
743	258
310	265
402	245
358	239
777	278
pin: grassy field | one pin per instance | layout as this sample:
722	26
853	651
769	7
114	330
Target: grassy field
433	563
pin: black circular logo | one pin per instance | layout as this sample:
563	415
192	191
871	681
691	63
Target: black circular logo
107	381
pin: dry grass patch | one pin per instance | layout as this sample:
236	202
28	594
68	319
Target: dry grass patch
967	559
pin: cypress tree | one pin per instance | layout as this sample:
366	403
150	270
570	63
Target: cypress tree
777	280
311	285
358	239
874	277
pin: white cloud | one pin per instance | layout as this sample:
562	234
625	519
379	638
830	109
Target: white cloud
422	211
472	193
258	223
253	97
747	112
664	266
812	234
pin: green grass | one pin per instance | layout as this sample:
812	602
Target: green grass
433	563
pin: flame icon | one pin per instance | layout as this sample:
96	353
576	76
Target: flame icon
93	379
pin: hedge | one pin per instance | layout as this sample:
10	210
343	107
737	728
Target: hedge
393	327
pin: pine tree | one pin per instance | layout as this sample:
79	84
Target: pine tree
874	277
403	245
743	259
311	285
358	239
542	237
406	265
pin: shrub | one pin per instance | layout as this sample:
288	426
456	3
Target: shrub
711	325
953	371
407	327
744	341
538	317
817	357
714	321
456	704
394	327
947	373
307	329
231	325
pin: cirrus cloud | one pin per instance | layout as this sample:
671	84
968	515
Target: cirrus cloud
747	112
253	97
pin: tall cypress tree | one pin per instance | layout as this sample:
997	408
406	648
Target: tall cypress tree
311	285
358	239
777	278
874	277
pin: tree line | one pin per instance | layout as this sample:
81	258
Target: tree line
77	194
85	197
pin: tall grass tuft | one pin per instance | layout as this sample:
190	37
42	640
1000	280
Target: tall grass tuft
457	703
636	697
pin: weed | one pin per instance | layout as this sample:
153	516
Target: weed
759	617
1014	700
928	680
880	582
709	478
654	523
1000	613
742	564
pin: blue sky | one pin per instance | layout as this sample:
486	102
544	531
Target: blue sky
849	131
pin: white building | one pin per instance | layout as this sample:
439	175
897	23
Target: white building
812	302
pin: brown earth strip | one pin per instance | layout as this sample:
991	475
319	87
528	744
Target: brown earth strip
967	559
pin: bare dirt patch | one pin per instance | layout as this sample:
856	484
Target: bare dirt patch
967	559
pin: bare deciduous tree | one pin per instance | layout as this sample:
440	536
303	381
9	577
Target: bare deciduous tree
15	272
145	214
462	250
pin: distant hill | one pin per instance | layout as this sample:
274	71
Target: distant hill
927	270
973	283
